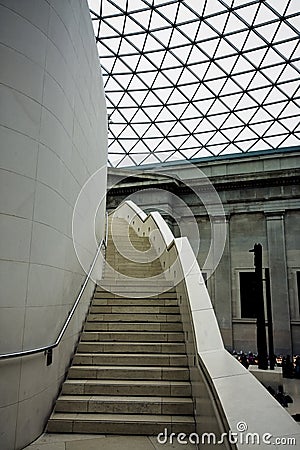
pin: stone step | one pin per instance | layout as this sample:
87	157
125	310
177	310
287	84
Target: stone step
129	372
131	359
125	404
106	317
134	301
112	295
130	347
128	309
132	336
156	388
130	424
132	326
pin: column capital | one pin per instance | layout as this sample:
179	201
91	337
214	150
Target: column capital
274	215
220	218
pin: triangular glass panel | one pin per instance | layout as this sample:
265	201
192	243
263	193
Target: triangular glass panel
276	128
289	74
175	157
218	138
233	24
179	39
163	94
152	143
238	39
285	32
253	41
246	102
247	145
290	141
204	126
275	141
264	15
227	63
190	152
115	97
126	162
243	65
138	158
212	7
290	110
261	116
151	100
214	72
209	47
246	114
203	105
259	81
218	21
151	44
286	48
190	29
275	96
146	65
218	107
132	25
153	131
173	75
293	7
164	35
126	48
196	55
177	141
200	69
205	32
268	31
290	88
248	13
231	100
168	11
187	77
247	134
278	6
203	153
230	87
260	128
218	120
188	90
224	49
231	133
204	136
243	80
170	61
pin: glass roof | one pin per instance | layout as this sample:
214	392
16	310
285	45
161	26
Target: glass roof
189	79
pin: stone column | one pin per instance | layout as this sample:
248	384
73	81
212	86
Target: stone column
279	282
222	286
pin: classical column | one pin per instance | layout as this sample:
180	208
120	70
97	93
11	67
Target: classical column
279	282
222	285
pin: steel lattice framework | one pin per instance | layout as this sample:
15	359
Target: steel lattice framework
187	79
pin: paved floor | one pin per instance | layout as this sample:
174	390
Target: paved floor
102	442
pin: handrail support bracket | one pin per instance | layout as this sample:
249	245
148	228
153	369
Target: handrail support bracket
49	356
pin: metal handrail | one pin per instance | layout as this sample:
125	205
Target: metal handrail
47	349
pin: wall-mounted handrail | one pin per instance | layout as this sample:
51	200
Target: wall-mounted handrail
48	348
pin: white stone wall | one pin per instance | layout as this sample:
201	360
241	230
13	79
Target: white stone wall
52	139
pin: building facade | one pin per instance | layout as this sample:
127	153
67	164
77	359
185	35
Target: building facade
259	194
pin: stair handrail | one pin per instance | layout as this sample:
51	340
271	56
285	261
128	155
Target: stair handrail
47	349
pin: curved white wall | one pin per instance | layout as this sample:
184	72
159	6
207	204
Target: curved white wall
52	138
